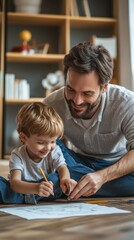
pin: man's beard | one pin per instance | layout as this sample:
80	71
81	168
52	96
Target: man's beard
88	113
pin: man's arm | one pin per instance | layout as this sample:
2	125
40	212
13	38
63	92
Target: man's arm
92	182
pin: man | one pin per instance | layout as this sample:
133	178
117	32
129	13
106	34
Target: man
99	123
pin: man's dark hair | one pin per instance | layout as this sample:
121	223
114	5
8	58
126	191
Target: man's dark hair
86	57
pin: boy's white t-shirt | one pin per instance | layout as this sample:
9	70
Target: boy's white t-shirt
20	160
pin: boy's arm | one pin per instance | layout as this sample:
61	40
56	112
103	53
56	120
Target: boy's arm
17	185
63	172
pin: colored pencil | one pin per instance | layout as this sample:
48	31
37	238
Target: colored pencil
43	174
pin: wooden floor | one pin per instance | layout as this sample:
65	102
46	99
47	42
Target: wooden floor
105	227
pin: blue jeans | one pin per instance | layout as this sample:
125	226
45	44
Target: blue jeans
79	165
8	196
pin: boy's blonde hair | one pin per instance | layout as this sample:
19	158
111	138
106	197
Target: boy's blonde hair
40	119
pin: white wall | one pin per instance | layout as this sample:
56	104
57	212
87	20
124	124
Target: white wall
124	44
131	27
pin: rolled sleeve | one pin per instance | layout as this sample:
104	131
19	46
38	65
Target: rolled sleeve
128	127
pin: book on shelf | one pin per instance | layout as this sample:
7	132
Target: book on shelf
45	48
86	8
23	89
74	8
83	8
110	43
16	88
9	85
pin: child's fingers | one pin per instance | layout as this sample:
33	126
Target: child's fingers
52	188
67	190
46	188
69	185
63	187
51	183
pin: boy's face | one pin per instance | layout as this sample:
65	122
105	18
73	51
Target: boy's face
38	147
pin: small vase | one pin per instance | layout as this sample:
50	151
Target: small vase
28	6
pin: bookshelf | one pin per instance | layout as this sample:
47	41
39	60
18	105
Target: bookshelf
2	58
58	26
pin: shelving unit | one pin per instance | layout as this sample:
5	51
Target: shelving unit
54	25
50	58
2	47
23	101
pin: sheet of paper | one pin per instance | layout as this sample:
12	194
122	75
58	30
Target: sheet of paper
60	210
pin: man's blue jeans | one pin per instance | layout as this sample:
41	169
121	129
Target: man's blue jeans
79	165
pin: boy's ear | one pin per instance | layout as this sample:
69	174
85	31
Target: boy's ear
23	137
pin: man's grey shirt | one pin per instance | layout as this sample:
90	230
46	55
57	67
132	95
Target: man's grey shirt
110	132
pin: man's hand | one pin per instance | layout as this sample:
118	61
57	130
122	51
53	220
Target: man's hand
87	186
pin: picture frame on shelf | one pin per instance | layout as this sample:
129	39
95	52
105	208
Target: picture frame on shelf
110	43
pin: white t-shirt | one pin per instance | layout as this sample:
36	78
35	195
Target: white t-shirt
20	160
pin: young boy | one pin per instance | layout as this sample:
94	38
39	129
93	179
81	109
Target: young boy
38	126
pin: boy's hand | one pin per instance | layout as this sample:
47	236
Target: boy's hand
45	189
67	185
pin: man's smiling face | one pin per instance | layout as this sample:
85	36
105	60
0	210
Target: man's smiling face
83	93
